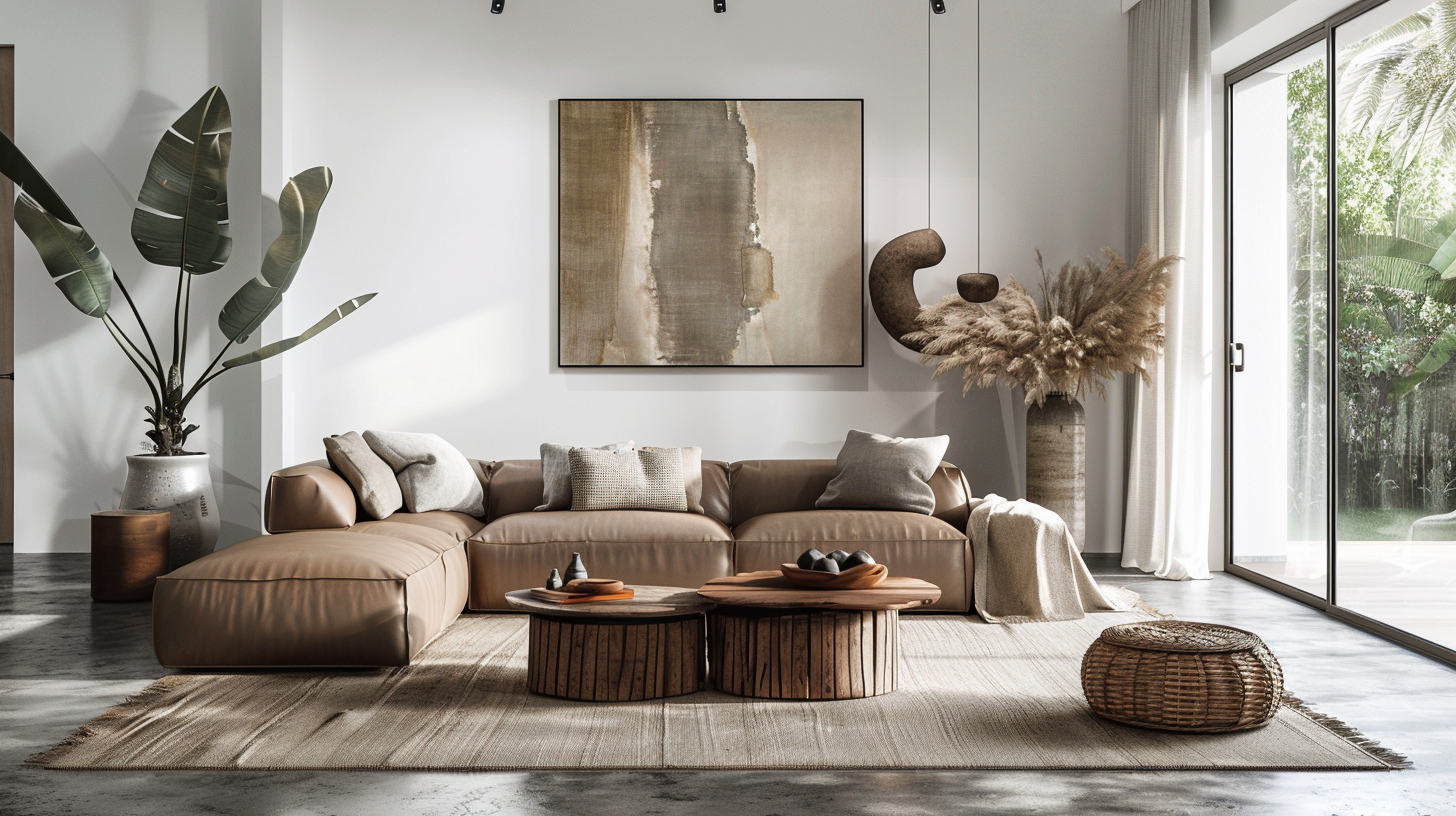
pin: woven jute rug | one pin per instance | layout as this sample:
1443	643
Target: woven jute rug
972	695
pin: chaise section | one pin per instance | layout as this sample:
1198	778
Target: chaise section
316	598
636	546
911	544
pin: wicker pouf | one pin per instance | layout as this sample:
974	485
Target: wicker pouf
1182	676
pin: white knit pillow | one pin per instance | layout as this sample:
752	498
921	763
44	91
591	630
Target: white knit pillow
432	474
628	480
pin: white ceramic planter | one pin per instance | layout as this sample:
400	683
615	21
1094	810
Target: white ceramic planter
182	485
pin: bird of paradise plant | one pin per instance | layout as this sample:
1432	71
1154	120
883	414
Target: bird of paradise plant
181	221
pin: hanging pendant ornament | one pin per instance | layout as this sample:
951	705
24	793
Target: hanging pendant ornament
892	273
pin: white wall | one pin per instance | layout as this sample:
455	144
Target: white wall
97	83
438	120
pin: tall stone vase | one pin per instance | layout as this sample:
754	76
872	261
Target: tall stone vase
1056	461
182	485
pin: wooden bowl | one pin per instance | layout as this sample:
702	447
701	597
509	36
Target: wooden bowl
863	576
594	586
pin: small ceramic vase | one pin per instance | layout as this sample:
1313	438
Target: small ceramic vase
554	582
576	570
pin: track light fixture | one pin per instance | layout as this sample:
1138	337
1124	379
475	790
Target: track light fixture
720	6
497	6
937	6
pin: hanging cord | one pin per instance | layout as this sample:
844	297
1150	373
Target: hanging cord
929	15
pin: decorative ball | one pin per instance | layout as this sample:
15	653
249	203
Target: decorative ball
839	556
858	558
826	564
806	561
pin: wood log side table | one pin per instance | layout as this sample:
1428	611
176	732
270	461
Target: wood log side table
128	552
646	648
768	638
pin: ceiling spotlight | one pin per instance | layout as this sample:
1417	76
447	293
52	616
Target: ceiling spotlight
720	6
497	6
937	6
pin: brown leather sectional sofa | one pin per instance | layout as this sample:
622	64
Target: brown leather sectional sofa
327	589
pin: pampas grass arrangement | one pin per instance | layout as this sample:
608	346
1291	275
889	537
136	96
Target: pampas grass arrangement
1094	321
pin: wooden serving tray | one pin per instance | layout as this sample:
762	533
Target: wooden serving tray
863	576
556	597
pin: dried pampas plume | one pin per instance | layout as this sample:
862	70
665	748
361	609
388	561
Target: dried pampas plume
1094	321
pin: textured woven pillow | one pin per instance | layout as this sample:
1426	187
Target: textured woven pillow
631	480
885	473
372	479
432	474
692	476
556	473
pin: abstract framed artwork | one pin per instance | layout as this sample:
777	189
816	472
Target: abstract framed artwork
699	232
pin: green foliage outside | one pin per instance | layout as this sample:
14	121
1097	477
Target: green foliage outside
1395	269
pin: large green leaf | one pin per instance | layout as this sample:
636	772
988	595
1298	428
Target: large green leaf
1389	246
16	167
76	263
1398	273
298	205
1438	355
184	223
274	349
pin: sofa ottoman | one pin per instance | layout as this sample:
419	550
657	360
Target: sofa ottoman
372	597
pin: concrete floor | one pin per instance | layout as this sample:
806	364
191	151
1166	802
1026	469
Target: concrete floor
64	660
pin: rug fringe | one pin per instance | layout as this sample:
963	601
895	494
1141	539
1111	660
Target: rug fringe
129	707
1348	733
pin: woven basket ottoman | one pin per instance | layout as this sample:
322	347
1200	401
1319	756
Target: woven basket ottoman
1182	676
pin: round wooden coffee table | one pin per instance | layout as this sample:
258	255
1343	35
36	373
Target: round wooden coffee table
610	651
768	638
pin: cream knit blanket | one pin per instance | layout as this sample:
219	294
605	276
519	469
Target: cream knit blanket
1027	568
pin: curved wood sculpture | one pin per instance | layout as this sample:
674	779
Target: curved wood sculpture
892	286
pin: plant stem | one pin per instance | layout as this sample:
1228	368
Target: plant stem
177	326
134	355
186	318
205	379
156	358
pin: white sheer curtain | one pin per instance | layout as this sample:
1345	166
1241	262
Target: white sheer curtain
1169	506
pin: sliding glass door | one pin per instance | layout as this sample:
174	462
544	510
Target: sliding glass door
1342	146
1280	305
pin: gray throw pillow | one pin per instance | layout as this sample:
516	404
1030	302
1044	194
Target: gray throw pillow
556	473
692	476
432	474
371	477
884	473
649	479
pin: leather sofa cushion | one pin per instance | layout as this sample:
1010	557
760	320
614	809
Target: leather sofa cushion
317	598
910	544
308	497
637	546
496	569
516	486
437	529
603	526
762	486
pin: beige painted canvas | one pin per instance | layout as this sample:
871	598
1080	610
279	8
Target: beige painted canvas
711	233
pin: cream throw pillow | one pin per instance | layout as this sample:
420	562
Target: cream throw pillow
692	476
650	479
885	473
372	479
432	474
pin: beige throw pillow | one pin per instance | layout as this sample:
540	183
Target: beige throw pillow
885	473
432	474
630	480
556	473
692	476
372	479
